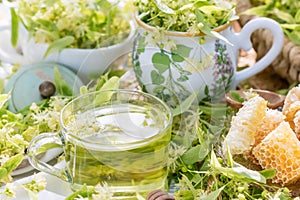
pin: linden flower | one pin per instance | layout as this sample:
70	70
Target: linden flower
40	117
9	190
156	37
169	45
88	22
3	159
37	184
53	121
104	192
185	15
57	103
34	108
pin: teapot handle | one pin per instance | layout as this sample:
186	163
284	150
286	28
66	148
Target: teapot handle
244	42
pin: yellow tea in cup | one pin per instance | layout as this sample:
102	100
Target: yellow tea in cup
119	137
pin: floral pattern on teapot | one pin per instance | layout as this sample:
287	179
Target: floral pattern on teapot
169	56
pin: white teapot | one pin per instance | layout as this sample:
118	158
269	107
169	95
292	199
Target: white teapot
172	65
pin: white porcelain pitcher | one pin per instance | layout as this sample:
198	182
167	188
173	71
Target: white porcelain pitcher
172	65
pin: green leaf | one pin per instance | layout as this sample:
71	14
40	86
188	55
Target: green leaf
118	73
236	96
180	53
186	104
190	185
206	90
48	146
3	99
207	30
83	90
290	26
284	16
201	3
2	85
83	192
294	36
161	62
141	45
230	161
163	7
11	164
297	17
196	154
216	111
237	172
199	16
258	10
3	173
62	87
213	195
157	78
244	174
14	27
111	84
268	173
100	82
214	162
59	45
217	35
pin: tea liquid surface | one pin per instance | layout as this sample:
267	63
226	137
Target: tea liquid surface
127	148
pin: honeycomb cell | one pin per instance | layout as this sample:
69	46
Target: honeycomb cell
296	121
271	120
291	107
281	154
282	157
241	135
294	166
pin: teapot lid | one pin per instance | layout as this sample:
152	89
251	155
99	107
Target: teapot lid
35	82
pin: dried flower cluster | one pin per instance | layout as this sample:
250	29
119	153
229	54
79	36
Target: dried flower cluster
91	23
185	15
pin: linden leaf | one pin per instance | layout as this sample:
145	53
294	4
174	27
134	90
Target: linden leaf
3	99
213	195
59	44
157	78
180	53
141	45
14	27
61	85
12	163
161	62
163	7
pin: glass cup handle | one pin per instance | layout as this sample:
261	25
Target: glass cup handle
41	144
244	42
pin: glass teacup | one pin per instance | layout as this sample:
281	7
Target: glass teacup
117	137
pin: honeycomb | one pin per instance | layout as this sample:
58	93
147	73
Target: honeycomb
292	105
271	120
292	97
241	135
280	150
297	124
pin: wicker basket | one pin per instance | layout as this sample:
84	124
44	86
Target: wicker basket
286	67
